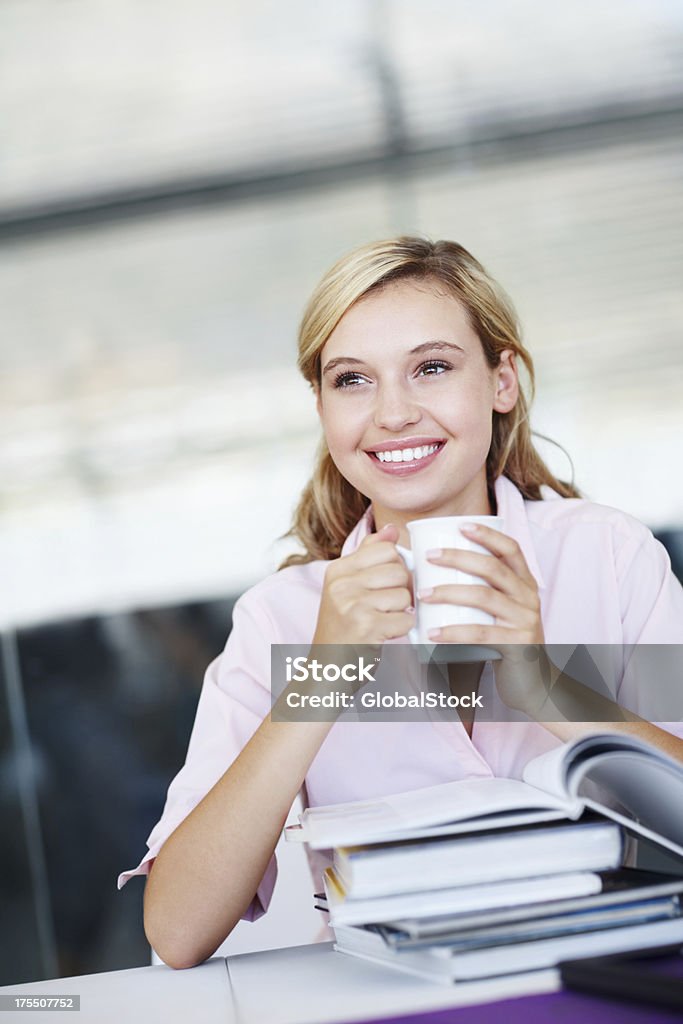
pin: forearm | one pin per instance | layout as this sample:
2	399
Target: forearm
208	870
572	710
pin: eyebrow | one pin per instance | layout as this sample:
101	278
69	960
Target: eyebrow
426	346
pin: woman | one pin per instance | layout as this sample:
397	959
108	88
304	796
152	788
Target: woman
413	353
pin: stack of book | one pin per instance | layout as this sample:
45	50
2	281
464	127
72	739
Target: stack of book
486	877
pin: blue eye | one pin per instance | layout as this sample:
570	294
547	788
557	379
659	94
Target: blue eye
433	368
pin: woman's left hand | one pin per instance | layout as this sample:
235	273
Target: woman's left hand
511	597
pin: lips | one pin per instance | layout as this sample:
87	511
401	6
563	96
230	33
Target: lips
407	455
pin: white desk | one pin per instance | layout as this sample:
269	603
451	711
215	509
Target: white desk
315	985
300	985
149	994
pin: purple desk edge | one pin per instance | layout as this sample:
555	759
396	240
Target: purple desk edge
563	1006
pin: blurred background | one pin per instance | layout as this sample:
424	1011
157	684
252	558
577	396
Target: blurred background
173	182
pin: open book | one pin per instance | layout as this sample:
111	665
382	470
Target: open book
618	776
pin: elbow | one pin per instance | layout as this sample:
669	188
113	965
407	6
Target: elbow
177	947
170	940
178	963
175	952
181	940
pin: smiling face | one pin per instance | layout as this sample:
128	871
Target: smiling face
406	402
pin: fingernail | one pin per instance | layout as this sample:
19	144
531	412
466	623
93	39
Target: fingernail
425	592
410	609
433	634
470	528
434	553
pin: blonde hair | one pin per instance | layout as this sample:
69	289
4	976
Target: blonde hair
330	507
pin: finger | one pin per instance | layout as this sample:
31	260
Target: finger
493	570
500	544
389	532
486	636
499	637
505	610
375	554
397	624
395	599
467	595
386	574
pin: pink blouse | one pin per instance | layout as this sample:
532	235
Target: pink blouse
603	579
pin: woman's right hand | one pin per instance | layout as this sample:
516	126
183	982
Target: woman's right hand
367	596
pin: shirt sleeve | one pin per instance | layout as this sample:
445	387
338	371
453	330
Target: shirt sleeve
652	617
234	700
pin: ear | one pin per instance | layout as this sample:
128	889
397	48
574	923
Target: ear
318	400
505	382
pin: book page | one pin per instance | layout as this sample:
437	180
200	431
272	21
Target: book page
549	772
463	801
649	791
620	776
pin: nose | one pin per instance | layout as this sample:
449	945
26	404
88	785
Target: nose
395	407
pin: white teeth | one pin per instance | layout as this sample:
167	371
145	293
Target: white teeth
407	454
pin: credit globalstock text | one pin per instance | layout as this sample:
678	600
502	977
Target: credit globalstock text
439	682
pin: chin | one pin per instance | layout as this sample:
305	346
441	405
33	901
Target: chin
416	501
414	506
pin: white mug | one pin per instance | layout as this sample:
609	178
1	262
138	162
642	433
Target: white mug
443	532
